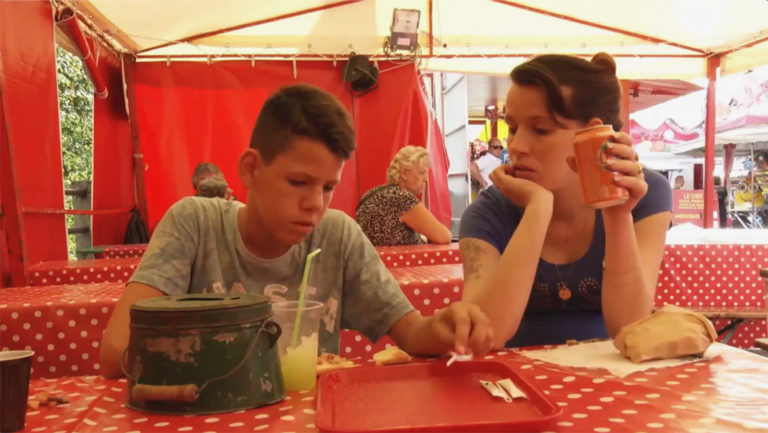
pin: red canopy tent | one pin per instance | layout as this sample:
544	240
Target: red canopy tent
184	83
176	115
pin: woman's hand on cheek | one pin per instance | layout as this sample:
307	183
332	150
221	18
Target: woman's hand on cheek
521	192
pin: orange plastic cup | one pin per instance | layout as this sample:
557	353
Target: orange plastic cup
597	187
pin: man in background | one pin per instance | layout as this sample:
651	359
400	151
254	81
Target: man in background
208	181
485	164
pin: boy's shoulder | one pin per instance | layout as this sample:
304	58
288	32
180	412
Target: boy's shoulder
194	203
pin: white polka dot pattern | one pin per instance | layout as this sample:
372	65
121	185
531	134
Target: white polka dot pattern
64	334
734	387
123	251
82	271
716	277
415	255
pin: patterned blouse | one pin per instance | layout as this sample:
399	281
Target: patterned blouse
379	212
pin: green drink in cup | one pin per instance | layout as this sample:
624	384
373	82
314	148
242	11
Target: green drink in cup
298	362
297	345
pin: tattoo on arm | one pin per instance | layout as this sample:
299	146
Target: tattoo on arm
471	255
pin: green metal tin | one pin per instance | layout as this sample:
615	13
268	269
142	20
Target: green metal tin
203	353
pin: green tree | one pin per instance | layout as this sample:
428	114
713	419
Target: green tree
76	120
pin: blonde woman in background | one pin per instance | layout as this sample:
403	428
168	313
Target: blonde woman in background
394	214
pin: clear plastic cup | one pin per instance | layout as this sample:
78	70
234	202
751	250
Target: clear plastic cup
298	363
14	388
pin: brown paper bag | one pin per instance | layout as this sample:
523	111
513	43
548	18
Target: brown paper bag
670	332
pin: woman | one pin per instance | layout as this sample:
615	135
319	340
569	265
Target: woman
393	214
542	265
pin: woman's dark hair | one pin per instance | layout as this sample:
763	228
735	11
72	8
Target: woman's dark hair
595	90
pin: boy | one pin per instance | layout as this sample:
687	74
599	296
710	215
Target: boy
298	147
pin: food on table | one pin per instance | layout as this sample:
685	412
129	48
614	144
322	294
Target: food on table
330	361
34	401
575	342
670	332
391	355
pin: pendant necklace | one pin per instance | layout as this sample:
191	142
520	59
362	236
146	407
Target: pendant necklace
563	292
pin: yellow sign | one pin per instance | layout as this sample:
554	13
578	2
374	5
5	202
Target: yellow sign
502	130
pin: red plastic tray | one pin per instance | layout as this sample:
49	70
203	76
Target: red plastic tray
427	397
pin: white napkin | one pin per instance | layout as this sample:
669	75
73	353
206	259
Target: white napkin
602	354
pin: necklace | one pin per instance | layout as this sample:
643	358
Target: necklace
563	292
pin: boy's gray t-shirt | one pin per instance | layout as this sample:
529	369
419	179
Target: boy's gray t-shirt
197	248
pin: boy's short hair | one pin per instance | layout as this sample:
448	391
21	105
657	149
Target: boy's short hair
306	111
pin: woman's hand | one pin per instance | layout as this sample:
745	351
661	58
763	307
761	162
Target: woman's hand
521	192
465	327
628	172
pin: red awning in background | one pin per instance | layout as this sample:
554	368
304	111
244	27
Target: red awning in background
189	112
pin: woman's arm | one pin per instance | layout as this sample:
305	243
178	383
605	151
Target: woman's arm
633	254
633	250
421	220
500	284
474	171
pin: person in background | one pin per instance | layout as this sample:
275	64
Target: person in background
394	214
544	266
722	196
481	168
679	182
208	181
302	137
761	161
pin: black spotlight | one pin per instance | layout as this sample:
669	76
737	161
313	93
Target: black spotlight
360	75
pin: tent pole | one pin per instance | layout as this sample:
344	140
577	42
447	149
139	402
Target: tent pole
430	39
713	63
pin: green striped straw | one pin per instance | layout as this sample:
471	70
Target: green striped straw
302	293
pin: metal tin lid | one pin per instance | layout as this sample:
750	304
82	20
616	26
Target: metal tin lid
200	309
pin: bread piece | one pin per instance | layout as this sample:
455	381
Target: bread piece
392	355
330	361
670	332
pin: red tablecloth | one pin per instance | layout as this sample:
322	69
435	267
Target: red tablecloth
82	271
417	255
716	276
724	394
121	251
430	288
54	315
62	324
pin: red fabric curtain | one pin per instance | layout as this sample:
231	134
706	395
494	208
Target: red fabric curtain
189	112
113	187
31	113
